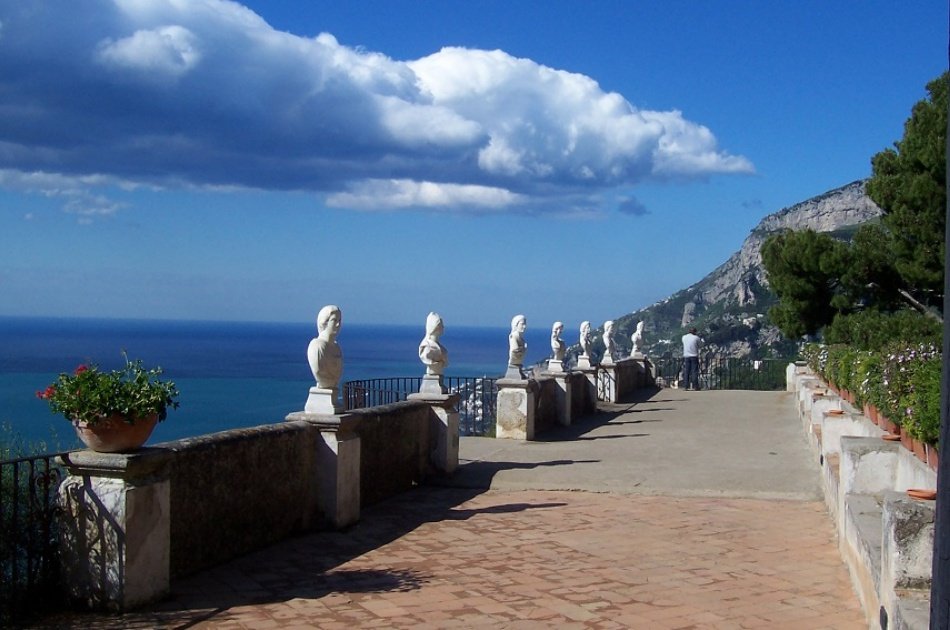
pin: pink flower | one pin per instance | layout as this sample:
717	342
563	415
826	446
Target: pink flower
47	393
82	368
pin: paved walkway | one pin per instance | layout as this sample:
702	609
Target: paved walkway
683	510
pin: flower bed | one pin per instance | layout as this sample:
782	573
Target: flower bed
901	383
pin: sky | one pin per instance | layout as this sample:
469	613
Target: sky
564	159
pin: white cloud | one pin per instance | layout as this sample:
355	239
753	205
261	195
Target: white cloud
75	192
396	194
205	93
169	51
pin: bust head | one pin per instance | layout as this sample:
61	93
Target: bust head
434	325
608	327
557	329
519	323
329	320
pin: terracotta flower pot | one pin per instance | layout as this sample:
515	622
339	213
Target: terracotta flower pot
114	434
907	441
920	450
933	457
890	427
923	494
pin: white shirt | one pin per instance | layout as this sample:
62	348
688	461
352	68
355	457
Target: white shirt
691	344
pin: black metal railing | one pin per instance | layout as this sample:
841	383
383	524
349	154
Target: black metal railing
29	567
476	406
718	372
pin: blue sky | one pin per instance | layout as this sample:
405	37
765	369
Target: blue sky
569	160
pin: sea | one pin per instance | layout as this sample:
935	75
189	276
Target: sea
229	374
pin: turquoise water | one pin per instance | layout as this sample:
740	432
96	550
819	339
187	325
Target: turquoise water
230	374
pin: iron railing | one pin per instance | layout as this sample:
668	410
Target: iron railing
29	566
719	372
476	406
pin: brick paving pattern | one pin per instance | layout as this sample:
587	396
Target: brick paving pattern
452	558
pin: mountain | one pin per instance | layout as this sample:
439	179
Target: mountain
729	305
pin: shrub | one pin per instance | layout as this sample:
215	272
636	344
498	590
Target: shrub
923	403
874	330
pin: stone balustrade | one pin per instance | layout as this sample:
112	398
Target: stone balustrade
528	407
132	522
885	537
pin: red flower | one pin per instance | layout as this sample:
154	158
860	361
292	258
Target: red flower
47	393
82	368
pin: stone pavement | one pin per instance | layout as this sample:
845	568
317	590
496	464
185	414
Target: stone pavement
682	510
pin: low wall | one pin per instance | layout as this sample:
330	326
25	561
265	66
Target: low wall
133	521
237	491
584	399
394	449
884	536
616	381
546	405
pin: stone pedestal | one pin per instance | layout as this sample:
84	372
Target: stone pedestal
514	373
644	372
555	366
432	384
565	392
443	430
583	362
607	389
590	379
515	409
338	467
114	528
323	401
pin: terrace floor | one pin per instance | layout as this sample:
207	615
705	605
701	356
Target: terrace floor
677	510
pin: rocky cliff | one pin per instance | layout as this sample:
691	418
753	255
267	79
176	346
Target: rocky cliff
729	305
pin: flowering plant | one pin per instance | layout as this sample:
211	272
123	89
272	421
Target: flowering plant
91	395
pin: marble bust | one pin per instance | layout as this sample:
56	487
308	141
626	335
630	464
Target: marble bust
516	342
636	342
557	344
431	351
608	341
324	353
584	339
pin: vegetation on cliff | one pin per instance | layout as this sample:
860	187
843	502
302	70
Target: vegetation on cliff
889	275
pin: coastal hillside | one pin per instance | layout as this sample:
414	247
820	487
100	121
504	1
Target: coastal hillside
730	304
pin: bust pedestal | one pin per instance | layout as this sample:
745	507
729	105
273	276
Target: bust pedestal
443	428
514	373
515	409
323	401
432	384
564	393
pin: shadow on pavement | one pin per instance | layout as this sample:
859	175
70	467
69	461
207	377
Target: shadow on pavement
303	567
479	474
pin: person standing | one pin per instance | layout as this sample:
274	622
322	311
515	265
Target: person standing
691	345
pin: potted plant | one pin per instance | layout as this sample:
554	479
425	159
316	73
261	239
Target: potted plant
112	411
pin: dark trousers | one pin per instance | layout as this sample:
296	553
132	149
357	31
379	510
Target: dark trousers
691	372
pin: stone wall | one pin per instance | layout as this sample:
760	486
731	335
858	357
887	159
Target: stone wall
394	448
546	410
133	521
237	491
884	535
584	398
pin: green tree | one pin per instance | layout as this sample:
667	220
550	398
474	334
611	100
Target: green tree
886	266
909	184
804	269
